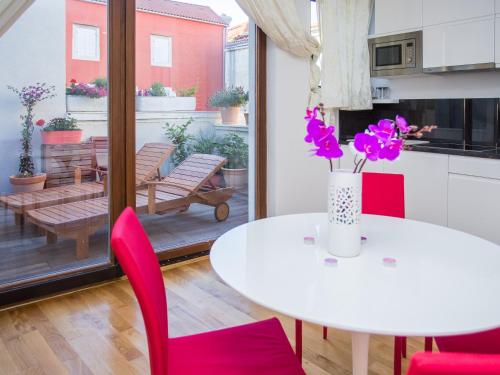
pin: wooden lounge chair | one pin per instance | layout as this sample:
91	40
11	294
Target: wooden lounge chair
186	184
148	161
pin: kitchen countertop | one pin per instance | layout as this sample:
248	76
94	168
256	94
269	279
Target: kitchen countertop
487	152
484	152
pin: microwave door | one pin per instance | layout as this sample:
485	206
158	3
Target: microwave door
388	56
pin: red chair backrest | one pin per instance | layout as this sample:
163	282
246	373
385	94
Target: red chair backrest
138	260
383	194
482	343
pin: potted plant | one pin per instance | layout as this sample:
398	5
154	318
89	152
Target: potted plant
159	98
230	100
235	150
87	97
60	130
177	134
30	96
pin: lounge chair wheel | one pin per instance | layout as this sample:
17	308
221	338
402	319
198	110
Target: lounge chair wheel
221	211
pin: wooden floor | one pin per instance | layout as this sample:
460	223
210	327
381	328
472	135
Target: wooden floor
100	330
25	253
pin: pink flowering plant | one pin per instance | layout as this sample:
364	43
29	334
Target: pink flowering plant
381	141
384	140
321	135
96	89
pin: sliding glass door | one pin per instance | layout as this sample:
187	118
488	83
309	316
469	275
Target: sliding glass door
172	128
54	140
194	123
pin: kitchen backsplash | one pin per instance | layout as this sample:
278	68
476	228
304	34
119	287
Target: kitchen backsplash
473	121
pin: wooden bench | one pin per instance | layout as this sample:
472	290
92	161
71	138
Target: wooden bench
149	159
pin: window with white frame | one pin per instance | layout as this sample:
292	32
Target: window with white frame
161	51
85	42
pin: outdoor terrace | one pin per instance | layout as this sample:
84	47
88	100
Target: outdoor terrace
25	252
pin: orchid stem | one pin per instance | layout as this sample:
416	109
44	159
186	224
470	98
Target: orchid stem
356	164
362	165
331	165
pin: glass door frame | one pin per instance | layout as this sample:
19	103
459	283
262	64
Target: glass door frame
121	130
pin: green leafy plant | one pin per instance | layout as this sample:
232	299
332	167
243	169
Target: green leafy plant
188	91
235	150
30	96
101	82
177	133
61	123
206	143
157	89
230	97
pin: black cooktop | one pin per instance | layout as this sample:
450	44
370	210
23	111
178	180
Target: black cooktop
456	146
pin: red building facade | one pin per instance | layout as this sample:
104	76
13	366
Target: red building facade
178	44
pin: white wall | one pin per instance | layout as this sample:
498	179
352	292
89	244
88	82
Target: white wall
296	181
33	50
450	85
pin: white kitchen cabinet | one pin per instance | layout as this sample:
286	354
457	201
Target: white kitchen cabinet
474	206
426	180
437	12
479	167
397	16
459	43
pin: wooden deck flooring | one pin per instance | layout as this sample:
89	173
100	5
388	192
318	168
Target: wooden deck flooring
99	331
25	254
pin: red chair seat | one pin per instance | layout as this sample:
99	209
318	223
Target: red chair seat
257	348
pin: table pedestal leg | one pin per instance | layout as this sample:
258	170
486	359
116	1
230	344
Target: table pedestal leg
360	346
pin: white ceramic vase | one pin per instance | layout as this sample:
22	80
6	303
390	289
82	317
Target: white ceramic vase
344	213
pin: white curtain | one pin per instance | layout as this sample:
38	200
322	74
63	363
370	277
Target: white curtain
345	67
281	22
10	11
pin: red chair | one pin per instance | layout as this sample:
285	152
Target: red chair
454	364
393	204
487	342
256	348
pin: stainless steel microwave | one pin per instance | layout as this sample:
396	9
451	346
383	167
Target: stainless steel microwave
399	54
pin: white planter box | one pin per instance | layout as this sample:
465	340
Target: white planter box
80	103
164	103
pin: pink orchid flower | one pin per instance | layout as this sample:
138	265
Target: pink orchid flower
329	148
384	130
402	124
368	145
392	150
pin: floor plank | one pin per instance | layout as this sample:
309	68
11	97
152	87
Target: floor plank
100	330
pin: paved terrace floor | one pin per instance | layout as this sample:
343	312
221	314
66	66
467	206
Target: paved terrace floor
25	254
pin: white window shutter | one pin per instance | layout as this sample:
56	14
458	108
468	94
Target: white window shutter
86	43
161	51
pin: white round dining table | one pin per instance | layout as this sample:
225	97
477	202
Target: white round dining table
441	281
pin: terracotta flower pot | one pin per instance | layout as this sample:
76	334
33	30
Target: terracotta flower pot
236	178
27	184
61	137
230	115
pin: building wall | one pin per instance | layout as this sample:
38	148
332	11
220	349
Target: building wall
86	13
197	51
236	67
32	51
